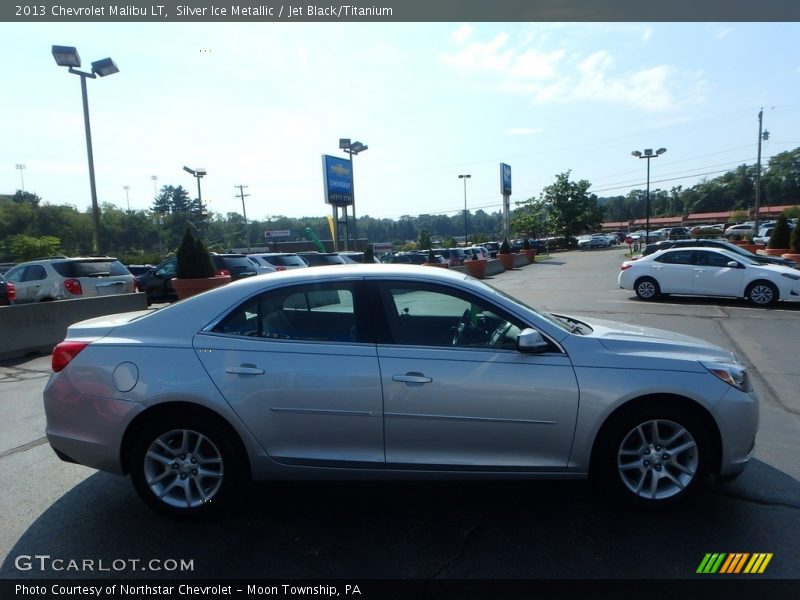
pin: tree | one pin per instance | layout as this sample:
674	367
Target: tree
780	234
26	247
572	209
424	240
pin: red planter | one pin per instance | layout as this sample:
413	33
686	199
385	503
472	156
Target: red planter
507	261
185	288
531	254
476	268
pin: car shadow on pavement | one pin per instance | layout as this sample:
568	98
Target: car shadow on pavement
523	529
712	301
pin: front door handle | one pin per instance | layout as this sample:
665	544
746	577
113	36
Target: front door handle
245	370
412	378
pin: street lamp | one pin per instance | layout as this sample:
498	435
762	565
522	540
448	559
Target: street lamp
351	148
198	173
21	177
465	177
154	178
127	197
648	154
67	56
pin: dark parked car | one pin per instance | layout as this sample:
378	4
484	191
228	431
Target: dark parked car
136	270
764	260
7	292
157	282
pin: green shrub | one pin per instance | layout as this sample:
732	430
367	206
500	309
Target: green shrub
505	248
194	260
780	234
794	240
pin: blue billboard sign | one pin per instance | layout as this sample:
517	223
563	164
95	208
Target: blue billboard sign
338	180
505	179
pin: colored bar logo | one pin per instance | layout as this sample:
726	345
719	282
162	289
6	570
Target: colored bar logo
734	563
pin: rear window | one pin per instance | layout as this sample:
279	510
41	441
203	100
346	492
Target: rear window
289	260
90	268
233	262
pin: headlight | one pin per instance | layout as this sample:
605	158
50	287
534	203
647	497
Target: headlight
735	375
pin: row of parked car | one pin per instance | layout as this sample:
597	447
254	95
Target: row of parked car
63	278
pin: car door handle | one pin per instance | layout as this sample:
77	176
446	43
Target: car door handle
412	378
245	370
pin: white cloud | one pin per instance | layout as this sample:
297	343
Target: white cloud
647	34
461	34
555	76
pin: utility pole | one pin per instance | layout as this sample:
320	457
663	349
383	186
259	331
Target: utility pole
761	136
242	195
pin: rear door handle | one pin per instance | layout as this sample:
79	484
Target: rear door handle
245	370
412	378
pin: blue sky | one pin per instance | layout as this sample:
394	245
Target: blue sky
259	103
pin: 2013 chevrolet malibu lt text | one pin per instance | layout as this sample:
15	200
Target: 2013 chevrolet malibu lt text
390	371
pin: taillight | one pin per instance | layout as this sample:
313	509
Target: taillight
222	272
11	291
73	286
64	352
624	266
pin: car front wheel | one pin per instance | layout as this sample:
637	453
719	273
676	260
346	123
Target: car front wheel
654	458
185	466
647	288
762	293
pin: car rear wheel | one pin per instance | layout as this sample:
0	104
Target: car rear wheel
185	466
762	293
647	288
653	458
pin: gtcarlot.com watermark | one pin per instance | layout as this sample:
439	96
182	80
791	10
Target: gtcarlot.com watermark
53	564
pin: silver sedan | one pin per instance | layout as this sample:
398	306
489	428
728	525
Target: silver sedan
390	371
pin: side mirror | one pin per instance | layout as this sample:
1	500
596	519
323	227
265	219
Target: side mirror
733	264
531	342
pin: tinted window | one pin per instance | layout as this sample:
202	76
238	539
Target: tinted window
285	260
90	268
712	259
678	257
15	275
320	312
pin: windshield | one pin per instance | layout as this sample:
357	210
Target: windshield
561	323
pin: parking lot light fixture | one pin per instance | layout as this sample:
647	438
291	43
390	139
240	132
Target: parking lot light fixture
351	148
648	154
199	173
67	56
465	177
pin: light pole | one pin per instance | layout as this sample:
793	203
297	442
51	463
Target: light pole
67	56
465	177
154	178
351	148
648	154
127	197
198	173
21	168
242	195
762	136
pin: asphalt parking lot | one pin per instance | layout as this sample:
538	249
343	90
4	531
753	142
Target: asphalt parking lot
430	531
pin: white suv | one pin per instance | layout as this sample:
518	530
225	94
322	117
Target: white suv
62	278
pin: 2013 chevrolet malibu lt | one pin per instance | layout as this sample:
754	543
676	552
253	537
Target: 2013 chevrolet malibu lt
390	371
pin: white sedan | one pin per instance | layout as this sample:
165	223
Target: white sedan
708	272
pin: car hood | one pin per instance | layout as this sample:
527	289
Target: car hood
637	341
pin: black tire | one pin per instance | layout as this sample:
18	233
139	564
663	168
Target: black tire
636	460
762	293
647	288
205	471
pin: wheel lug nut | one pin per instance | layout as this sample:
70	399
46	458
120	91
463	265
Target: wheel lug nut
174	465
647	451
658	467
183	457
194	460
658	448
665	457
194	471
183	475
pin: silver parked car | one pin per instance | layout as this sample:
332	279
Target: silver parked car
62	278
390	371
